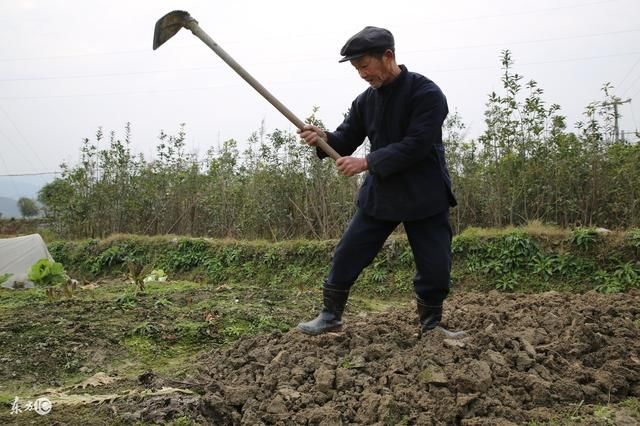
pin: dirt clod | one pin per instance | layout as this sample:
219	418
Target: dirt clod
526	357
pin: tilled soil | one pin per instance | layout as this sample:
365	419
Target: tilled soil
527	358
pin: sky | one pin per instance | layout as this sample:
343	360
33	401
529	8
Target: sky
69	67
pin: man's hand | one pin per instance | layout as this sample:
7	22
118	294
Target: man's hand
311	133
350	166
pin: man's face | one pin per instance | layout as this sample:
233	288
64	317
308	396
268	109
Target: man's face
376	72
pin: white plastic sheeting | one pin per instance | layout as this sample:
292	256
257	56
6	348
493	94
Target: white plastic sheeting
17	255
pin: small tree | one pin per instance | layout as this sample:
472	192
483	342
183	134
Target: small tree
28	207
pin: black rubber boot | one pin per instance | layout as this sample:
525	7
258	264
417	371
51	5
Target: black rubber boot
430	315
330	318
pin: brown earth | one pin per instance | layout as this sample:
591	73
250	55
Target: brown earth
532	359
529	359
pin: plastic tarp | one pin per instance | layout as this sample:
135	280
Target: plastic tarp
17	255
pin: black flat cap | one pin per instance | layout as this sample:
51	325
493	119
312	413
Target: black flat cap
370	39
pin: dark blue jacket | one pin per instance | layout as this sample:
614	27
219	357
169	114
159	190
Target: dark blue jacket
408	177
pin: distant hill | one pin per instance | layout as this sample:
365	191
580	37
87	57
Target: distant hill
9	208
22	186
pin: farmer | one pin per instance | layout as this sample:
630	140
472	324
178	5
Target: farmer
407	180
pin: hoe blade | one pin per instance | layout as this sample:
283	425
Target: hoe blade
169	25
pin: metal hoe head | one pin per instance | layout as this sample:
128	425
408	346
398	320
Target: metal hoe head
169	25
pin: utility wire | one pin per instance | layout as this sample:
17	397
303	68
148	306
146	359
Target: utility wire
633	115
30	174
12	183
3	136
527	12
479	46
634	95
630	87
24	139
288	82
626	76
324	33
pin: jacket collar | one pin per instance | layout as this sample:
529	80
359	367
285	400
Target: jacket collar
396	81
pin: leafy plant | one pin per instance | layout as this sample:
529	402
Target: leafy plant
160	303
157	275
47	273
379	273
145	328
584	238
347	363
216	271
516	249
605	414
627	275
187	254
544	266
127	300
632	404
508	282
112	256
406	257
607	283
633	239
4	277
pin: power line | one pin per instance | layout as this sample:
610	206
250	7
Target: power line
4	80
13	145
628	73
528	12
13	184
24	139
543	40
30	174
306	34
156	91
633	115
632	84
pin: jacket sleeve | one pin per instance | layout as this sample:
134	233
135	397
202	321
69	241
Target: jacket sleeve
428	109
349	135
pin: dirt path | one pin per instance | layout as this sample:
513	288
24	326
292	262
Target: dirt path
529	358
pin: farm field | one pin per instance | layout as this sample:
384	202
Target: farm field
185	353
553	337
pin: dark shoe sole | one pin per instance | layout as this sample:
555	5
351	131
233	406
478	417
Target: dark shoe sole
316	332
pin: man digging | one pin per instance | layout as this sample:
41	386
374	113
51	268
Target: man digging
407	180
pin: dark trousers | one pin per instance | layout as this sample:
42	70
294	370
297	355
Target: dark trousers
430	241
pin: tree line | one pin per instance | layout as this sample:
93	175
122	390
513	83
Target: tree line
525	166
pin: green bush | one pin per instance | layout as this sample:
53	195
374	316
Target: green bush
505	259
584	238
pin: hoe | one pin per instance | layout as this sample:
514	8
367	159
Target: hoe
170	24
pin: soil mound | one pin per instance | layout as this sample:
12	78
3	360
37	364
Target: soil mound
527	357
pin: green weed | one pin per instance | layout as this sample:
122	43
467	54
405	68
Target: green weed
145	328
633	405
604	413
162	303
127	300
633	238
186	255
584	238
107	259
182	421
